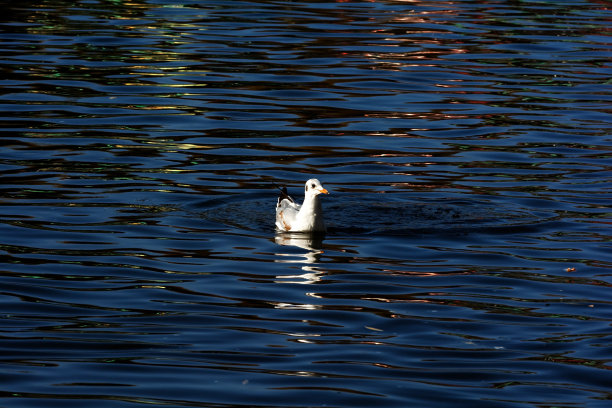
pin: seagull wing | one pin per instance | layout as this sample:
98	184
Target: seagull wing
286	214
286	210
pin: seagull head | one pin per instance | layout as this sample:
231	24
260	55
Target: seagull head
314	188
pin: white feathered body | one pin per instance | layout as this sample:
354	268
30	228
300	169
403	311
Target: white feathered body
308	217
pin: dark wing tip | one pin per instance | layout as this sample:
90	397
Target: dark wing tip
283	195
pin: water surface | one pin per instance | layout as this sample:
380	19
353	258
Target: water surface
466	146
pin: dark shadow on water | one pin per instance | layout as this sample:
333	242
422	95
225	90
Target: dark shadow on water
349	215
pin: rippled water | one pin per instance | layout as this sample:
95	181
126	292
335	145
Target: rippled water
467	149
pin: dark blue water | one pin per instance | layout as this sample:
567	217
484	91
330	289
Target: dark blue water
467	147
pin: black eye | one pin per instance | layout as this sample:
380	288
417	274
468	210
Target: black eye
312	185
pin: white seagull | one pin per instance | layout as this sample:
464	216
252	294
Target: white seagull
308	217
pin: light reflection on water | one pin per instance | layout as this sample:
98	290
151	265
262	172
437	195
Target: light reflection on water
467	261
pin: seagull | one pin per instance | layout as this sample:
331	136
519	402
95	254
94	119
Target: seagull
308	217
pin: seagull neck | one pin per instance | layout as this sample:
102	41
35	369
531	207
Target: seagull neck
311	202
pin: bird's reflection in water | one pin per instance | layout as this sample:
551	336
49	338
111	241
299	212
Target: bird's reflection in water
313	244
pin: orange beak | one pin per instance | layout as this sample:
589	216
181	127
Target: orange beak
324	191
